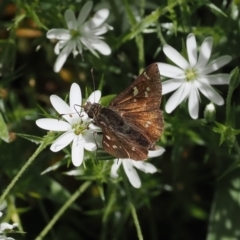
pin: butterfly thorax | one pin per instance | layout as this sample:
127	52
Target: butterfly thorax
92	109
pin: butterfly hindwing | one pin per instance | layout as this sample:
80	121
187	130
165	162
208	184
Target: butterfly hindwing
150	123
118	145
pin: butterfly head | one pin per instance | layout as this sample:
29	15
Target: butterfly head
92	109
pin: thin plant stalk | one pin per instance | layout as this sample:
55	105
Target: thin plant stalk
62	210
133	210
23	169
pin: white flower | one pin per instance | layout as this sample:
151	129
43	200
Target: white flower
80	33
77	128
129	166
5	228
192	76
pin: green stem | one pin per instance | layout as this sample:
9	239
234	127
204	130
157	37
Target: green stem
22	170
79	191
142	8
237	147
139	38
140	41
228	105
159	33
234	82
135	220
107	211
140	45
133	210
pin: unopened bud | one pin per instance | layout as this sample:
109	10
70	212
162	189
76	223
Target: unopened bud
234	78
209	112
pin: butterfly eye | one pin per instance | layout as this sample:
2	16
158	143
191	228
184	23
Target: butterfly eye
92	109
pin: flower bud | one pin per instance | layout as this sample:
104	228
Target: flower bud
209	112
234	78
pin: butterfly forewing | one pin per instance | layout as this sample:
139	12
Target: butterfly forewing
139	103
133	122
143	94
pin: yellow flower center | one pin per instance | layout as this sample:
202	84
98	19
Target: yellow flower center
74	33
191	74
79	128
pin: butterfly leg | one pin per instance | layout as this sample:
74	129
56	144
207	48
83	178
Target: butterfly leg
95	140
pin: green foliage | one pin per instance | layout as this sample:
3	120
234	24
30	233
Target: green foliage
194	194
3	130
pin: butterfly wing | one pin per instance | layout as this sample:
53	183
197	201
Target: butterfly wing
139	103
119	138
116	144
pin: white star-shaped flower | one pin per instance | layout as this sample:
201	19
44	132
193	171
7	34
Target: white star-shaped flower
192	76
77	127
5	228
129	166
80	33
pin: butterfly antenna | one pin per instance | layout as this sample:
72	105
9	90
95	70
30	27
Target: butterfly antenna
94	87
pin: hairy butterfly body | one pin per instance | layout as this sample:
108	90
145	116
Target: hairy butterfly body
133	122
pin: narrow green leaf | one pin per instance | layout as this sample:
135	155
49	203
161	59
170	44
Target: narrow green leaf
107	99
55	166
216	10
3	130
31	138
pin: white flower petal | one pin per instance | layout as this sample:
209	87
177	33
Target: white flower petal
62	57
59	33
61	107
99	18
62	141
171	85
77	150
157	152
94	97
5	227
89	136
177	97
101	47
70	19
215	79
84	12
210	93
100	30
192	49
175	57
216	64
193	102
75	97
89	140
131	173
170	71
59	46
86	42
205	52
145	167
95	128
90	146
117	163
53	124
